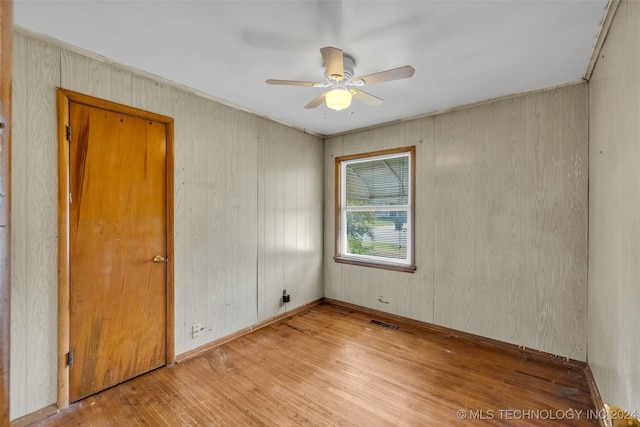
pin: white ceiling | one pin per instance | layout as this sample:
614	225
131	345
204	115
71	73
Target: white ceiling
463	51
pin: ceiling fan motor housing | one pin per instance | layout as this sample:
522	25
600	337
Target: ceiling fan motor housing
348	64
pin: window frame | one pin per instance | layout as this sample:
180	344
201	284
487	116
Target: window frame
340	234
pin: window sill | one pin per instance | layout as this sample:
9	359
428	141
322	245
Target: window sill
394	267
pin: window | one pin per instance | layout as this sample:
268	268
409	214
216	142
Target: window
375	209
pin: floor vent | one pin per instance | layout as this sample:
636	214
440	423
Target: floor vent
384	324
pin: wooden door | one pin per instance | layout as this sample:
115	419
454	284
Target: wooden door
117	225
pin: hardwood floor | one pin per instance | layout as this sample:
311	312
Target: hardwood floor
329	365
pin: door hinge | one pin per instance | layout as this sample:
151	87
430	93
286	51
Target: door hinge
69	133
70	358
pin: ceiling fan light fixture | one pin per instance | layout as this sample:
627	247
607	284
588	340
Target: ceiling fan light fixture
338	99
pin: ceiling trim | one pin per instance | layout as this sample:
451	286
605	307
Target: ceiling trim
460	107
609	14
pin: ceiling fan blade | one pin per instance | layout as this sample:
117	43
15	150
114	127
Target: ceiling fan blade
333	61
387	76
290	83
317	101
365	97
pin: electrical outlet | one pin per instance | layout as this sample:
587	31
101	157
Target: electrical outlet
195	330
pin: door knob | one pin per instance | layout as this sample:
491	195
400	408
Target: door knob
159	258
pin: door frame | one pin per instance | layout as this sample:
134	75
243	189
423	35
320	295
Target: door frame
6	58
64	98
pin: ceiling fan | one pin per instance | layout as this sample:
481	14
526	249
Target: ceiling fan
342	85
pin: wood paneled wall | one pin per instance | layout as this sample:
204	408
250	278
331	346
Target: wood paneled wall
501	223
248	209
614	213
290	220
34	271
